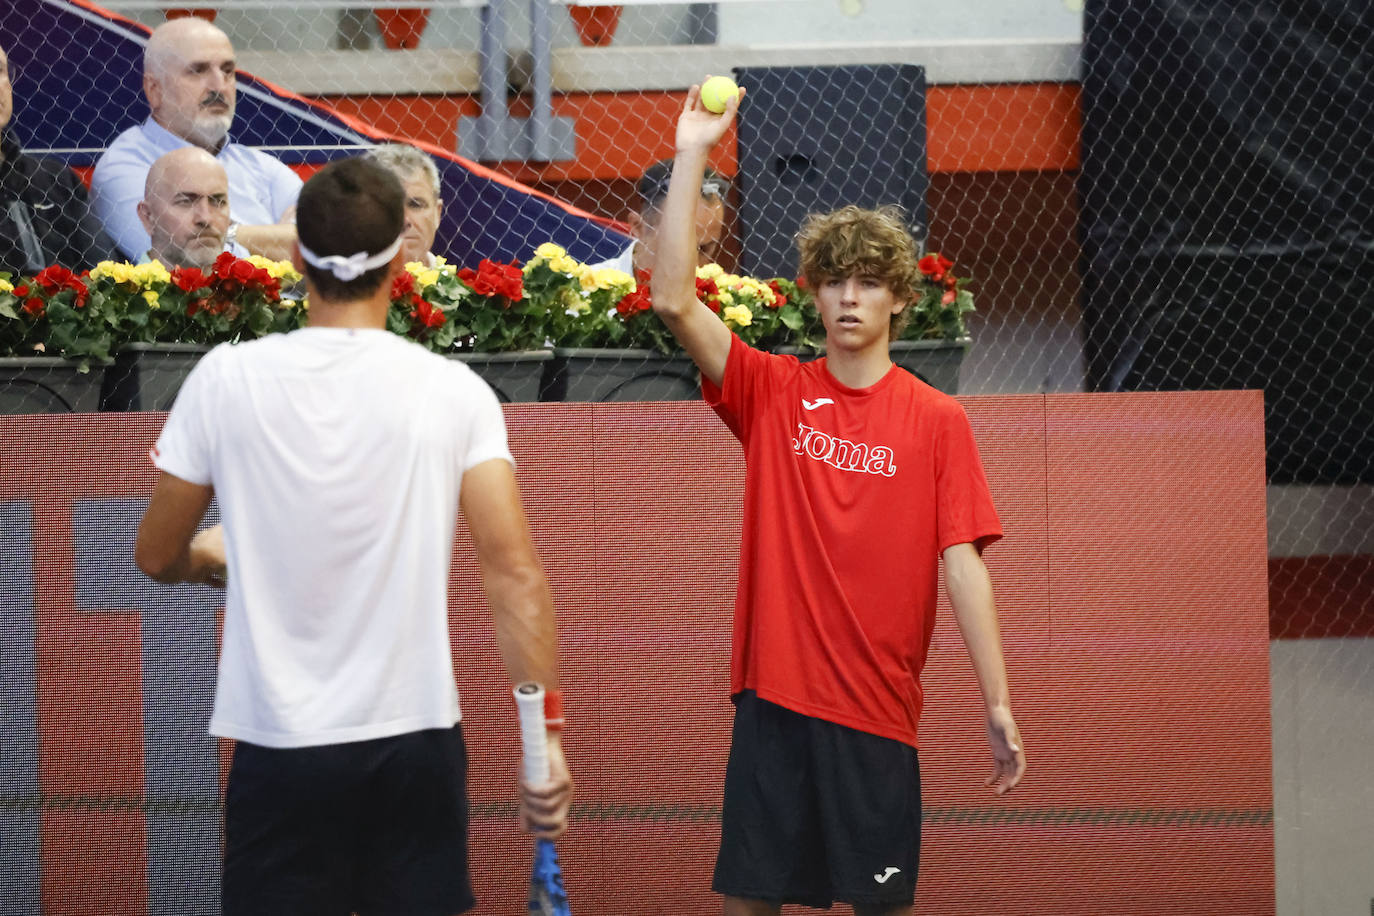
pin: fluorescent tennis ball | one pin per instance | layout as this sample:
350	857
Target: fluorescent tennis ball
717	91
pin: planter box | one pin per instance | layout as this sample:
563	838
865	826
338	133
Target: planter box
514	377
47	384
148	376
935	362
586	374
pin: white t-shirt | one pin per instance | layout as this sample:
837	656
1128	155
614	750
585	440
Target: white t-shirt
336	456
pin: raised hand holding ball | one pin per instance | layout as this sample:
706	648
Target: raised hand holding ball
716	92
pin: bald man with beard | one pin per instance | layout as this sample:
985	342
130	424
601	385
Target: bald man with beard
189	81
185	208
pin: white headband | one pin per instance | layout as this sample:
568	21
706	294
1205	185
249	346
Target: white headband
353	266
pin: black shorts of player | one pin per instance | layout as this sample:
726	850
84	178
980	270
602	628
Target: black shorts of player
377	828
816	812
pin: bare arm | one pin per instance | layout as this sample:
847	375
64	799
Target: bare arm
271	241
702	334
970	592
167	547
522	611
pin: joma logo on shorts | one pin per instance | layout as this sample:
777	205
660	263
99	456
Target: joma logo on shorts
843	454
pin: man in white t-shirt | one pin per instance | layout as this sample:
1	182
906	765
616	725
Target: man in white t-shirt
340	456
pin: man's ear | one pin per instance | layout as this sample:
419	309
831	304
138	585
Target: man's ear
297	261
145	216
152	91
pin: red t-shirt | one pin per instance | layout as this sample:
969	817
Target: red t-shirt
851	495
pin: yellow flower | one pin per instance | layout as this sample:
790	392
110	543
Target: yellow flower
610	278
416	268
149	274
277	270
725	299
738	315
586	277
5	286
710	271
427	277
118	272
151	297
564	265
550	252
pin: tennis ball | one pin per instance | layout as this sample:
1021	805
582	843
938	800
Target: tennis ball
717	91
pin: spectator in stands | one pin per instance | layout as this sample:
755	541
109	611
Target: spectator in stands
44	217
638	257
185	208
420	179
188	79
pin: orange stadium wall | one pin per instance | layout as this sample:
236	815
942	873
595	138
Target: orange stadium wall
1132	588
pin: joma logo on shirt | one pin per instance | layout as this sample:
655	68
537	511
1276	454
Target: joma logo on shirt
843	454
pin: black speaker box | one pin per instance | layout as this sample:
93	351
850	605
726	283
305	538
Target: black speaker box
812	139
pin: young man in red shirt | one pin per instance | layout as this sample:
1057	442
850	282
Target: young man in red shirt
860	480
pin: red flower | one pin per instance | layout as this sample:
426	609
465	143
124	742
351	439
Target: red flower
189	279
33	307
57	278
245	272
492	279
403	285
779	299
949	296
429	316
223	264
934	266
634	303
707	291
21	290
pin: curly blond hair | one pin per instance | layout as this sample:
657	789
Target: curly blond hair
852	241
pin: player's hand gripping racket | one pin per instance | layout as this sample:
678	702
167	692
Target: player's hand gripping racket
547	896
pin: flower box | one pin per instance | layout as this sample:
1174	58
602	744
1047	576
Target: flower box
147	376
935	362
515	377
594	374
47	384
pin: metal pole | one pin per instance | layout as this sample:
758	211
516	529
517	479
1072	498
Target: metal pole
541	113
491	124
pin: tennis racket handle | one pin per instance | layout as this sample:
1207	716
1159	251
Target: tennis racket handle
529	700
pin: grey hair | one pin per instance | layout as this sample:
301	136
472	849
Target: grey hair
405	161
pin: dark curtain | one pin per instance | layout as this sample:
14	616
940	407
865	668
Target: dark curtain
1227	214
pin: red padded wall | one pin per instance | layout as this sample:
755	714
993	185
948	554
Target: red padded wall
1132	591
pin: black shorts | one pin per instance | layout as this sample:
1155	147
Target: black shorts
816	812
369	827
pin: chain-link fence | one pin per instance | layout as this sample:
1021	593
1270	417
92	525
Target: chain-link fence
1145	196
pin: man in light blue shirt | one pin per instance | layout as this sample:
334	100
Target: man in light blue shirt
189	81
